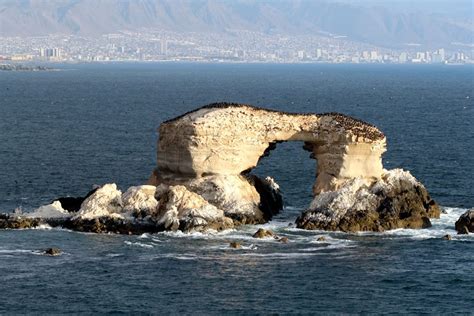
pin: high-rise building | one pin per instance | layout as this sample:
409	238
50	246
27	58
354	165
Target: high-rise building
403	58
374	55
164	46
319	53
50	52
56	52
442	54
420	56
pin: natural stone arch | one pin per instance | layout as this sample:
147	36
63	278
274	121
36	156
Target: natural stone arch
202	179
229	139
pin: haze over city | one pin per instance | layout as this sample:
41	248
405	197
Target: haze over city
237	31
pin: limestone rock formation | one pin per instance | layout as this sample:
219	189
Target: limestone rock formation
465	223
211	151
397	200
229	139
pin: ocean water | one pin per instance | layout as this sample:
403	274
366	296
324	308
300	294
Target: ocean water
62	132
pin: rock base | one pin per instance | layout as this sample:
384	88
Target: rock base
397	200
208	203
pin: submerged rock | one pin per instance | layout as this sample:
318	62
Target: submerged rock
53	252
465	223
447	237
397	200
263	233
235	245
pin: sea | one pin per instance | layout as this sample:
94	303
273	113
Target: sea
63	131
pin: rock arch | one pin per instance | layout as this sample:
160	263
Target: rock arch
228	139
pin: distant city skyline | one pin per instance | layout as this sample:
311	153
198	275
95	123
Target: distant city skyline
152	46
393	31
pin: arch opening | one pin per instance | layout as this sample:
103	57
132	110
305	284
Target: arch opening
288	164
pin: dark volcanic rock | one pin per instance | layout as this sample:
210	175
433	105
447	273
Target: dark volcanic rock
112	225
465	223
9	221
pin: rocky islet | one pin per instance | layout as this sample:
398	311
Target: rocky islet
203	179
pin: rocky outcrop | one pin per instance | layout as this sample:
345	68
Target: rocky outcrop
396	200
465	223
203	179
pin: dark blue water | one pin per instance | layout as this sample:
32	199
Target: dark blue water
61	132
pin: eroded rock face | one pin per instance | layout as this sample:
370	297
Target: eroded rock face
397	200
182	209
140	200
106	201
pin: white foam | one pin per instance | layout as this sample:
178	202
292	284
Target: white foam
113	255
138	244
9	252
42	227
53	210
278	255
144	236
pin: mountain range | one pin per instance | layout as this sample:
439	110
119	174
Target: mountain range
387	24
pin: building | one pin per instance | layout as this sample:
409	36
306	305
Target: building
319	53
403	58
50	53
442	54
420	56
374	55
164	47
